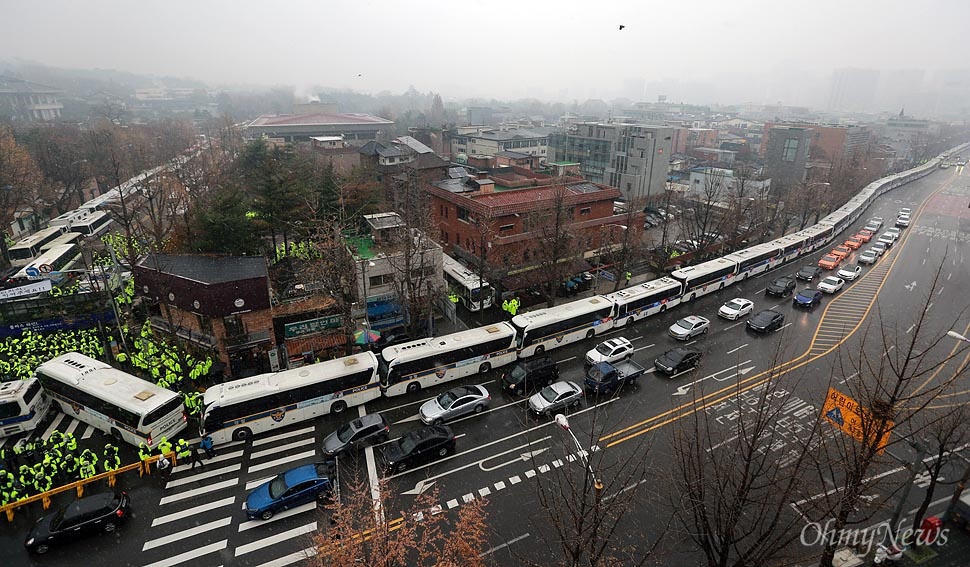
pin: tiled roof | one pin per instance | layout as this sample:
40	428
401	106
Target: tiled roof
207	269
512	155
318	119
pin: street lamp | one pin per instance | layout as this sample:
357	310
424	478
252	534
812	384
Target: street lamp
563	422
957	336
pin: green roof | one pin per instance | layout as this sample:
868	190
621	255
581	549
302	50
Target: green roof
364	246
564	163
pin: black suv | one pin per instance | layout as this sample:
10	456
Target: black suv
766	321
84	516
418	447
530	374
677	360
781	286
371	428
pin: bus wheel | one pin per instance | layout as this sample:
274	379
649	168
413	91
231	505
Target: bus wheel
413	387
116	434
484	368
242	434
663	308
590	333
338	407
690	297
720	285
539	350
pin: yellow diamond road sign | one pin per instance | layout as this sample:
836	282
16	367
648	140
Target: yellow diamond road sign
846	414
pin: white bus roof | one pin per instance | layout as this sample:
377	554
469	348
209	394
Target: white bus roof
461	273
422	347
578	307
37	236
255	386
107	383
636	291
10	390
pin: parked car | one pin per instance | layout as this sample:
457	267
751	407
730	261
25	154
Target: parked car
736	308
879	247
865	235
418	447
610	350
606	378
850	272
456	402
829	262
854	243
364	430
831	284
689	327
905	211
807	297
887	239
808	273
841	251
766	321
780	287
98	513
677	360
872	227
868	256
902	220
876	221
528	374
895	232
290	489
555	397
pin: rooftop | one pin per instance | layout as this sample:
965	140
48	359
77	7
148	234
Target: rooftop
319	119
207	269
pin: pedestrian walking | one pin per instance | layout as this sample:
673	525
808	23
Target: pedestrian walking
164	467
194	457
182	450
206	446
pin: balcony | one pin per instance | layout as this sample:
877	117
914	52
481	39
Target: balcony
201	339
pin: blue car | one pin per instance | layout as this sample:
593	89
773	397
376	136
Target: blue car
294	487
807	298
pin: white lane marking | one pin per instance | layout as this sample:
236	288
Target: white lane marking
254	483
193	511
566	360
189	555
941	291
644	347
186	533
88	432
281	461
280	448
737	349
636	338
911	327
203	475
207	462
782	327
733	326
948	276
504	545
54	424
283	536
265	440
71	428
847	378
291	558
889	350
372	475
207	489
248	525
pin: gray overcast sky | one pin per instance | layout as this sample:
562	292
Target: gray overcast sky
757	50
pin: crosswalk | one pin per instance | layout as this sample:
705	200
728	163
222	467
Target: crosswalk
200	519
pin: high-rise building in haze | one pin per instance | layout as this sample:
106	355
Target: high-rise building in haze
853	90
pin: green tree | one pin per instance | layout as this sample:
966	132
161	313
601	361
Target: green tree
223	227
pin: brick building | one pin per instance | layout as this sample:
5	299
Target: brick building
684	139
829	142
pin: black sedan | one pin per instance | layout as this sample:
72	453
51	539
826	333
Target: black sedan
808	273
766	321
418	447
807	297
677	360
781	286
85	516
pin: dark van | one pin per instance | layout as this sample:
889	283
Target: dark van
530	374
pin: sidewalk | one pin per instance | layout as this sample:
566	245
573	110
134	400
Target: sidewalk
955	553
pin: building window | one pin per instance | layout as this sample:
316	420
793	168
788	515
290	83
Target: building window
462	214
791	150
506	227
234	326
379	280
446	238
584	212
205	324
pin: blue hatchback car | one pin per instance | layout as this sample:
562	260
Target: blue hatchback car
292	488
807	298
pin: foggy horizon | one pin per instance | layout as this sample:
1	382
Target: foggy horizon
703	52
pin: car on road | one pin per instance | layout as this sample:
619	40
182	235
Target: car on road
905	211
854	242
418	447
736	308
871	227
677	360
456	402
868	256
808	273
780	287
876	221
555	397
610	350
841	251
829	262
766	321
902	220
290	489
689	327
895	232
529	374
831	284
364	430
807	297
865	235
98	513
879	247
850	272
887	239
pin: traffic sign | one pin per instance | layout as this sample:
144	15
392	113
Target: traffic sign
45	268
32	272
846	414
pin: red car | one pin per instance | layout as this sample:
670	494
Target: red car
865	235
830	262
854	242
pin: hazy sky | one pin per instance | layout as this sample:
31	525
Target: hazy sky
758	50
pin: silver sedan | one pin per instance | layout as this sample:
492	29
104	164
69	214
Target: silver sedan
455	403
555	397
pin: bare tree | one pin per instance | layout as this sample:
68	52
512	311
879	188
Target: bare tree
946	431
555	242
19	176
702	221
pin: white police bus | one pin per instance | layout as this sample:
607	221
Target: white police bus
552	327
410	366
22	405
239	409
474	292
27	249
124	406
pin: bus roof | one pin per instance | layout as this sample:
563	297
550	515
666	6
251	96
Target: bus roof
37	236
256	386
12	389
422	347
461	273
578	307
631	293
108	383
66	238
